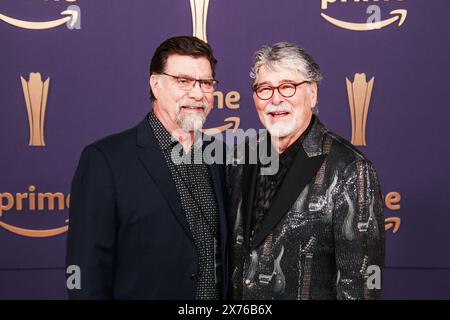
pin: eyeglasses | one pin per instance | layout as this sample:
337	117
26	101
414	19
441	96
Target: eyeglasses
186	83
287	90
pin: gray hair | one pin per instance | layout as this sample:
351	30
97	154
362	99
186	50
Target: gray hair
288	55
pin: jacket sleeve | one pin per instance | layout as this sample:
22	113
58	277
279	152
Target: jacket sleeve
359	235
92	226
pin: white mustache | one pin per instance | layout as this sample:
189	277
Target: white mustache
192	105
280	108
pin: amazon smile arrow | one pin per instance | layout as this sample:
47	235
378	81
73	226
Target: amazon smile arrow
34	233
72	17
399	15
234	123
393	223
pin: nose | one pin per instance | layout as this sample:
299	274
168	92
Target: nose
196	92
277	98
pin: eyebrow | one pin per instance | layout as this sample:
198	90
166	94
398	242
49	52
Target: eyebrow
268	83
183	75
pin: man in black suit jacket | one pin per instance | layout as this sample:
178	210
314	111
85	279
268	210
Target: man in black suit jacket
141	226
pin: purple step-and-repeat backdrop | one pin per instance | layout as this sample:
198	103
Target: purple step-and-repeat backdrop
75	71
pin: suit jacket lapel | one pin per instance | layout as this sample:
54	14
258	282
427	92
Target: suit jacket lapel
248	189
153	160
304	168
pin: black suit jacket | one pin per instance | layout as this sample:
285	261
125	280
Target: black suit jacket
127	230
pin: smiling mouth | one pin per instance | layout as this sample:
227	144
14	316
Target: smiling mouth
279	114
192	108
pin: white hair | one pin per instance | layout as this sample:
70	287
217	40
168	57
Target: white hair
287	55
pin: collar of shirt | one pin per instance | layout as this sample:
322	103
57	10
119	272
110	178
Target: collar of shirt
165	139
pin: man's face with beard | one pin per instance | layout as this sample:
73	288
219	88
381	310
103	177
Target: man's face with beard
176	107
284	117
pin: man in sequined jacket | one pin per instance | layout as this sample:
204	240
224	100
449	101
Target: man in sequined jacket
315	228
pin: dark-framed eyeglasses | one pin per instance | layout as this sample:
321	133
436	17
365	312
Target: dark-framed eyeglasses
187	83
287	90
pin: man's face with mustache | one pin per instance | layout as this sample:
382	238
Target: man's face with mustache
284	117
178	108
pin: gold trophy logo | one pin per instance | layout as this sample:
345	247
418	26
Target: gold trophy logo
199	10
359	95
35	92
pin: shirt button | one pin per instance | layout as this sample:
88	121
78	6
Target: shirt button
248	282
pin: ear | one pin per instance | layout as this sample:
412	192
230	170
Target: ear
313	88
155	84
255	98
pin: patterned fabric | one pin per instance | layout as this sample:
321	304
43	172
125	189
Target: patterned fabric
194	185
323	235
267	185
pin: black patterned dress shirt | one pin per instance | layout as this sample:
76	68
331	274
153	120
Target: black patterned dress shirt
194	185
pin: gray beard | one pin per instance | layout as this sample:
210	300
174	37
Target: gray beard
190	123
